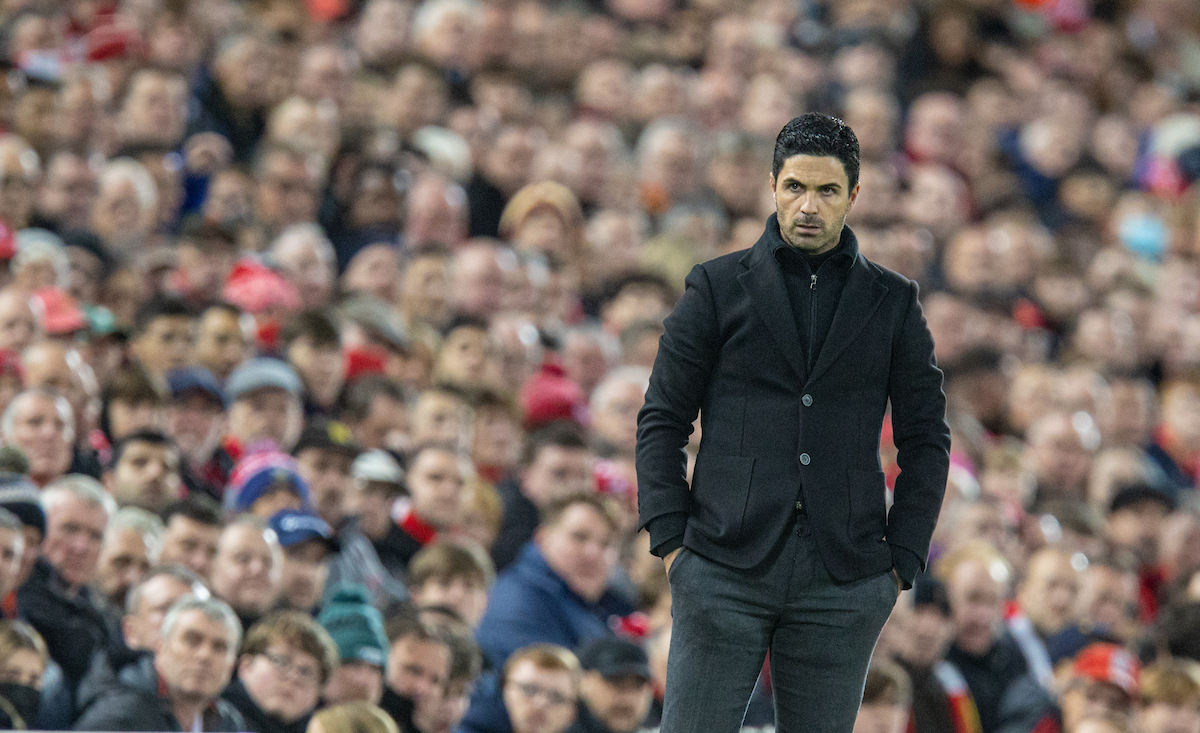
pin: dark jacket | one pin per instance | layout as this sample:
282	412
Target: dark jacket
1005	692
779	436
256	719
136	705
72	626
531	604
400	709
520	519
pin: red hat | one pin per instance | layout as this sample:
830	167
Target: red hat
1103	662
60	313
254	287
548	396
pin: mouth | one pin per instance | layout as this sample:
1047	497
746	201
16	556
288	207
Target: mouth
808	228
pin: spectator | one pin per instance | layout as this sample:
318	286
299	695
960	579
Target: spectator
541	686
24	659
1103	682
204	257
132	542
22	499
192	530
192	664
18	325
306	541
132	401
887	700
285	660
441	415
144	471
376	410
614	407
353	717
40	424
324	455
452	576
265	397
148	602
222	341
164	336
12	548
443	712
306	258
1168	699
357	629
313	347
56	599
615	690
435	481
417	668
195	422
247	569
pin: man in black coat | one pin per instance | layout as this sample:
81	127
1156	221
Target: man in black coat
790	352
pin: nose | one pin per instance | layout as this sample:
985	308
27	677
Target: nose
808	203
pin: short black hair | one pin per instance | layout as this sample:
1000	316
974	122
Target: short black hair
196	507
819	135
359	394
162	306
320	328
616	285
464	320
153	437
561	433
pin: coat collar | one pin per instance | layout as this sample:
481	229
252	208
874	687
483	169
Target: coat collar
764	285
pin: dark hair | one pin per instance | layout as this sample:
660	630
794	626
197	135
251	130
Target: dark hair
614	287
464	320
819	135
317	325
222	305
887	684
132	385
196	507
561	433
207	236
359	394
153	437
556	509
444	560
160	307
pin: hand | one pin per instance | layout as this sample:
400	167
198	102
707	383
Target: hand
670	558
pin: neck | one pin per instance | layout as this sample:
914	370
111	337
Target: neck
186	708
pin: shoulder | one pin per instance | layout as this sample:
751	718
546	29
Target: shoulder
892	280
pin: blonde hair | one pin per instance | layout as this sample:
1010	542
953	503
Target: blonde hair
17	636
979	551
355	717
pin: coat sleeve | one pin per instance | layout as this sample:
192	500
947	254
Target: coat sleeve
687	352
921	435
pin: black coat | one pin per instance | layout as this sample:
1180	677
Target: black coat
135	705
257	719
72	626
776	434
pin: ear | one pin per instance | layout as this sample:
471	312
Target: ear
771	178
853	196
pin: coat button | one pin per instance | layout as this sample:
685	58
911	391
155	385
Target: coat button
799	506
804	459
807	400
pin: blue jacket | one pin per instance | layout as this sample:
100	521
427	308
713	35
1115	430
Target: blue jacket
531	604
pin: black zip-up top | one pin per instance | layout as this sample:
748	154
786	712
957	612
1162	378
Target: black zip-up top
814	285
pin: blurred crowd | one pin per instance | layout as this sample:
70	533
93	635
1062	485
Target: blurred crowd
325	324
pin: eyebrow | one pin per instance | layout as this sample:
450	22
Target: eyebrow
830	184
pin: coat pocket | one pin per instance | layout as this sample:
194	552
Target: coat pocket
868	507
720	489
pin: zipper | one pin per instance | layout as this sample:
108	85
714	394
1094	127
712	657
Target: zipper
813	284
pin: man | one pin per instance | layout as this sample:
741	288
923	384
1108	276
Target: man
59	367
312	343
264	397
192	664
39	423
1103	682
541	686
454	576
18	326
887	700
12	547
246	571
164	334
376	409
221	340
204	255
1046	600
307	542
357	629
22	499
561	579
56	600
144	471
285	662
324	454
436	478
148	602
555	463
195	422
615	691
68	192
418	665
614	409
790	352
192	530
131	545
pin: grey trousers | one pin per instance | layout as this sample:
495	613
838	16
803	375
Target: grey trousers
821	636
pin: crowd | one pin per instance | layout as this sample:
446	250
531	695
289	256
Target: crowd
325	325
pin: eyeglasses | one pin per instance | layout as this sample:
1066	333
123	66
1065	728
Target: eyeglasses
554	697
286	664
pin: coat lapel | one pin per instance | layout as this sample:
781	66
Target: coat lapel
861	297
763	283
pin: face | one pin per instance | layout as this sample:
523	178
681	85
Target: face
1138	527
29	554
580	549
304	575
287	192
1049	592
125	560
321	368
558	471
246	572
142	629
221	344
1089	699
283	681
621	703
976	600
812	198
435	482
18	328
191	544
385	426
616	421
464	595
1163	717
196	658
539	700
439	418
74	533
353	682
426	282
267	413
881	718
12	545
23	667
417	669
166	344
1108	597
125	418
43	436
195	422
446	709
329	482
465	357
147	476
309	265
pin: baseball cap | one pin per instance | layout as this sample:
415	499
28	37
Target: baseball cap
1131	494
355	625
328	435
19	496
549	395
260	472
377	465
59	313
261	373
613	657
1105	662
195	379
293	527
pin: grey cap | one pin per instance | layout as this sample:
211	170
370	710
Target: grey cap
377	465
261	373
